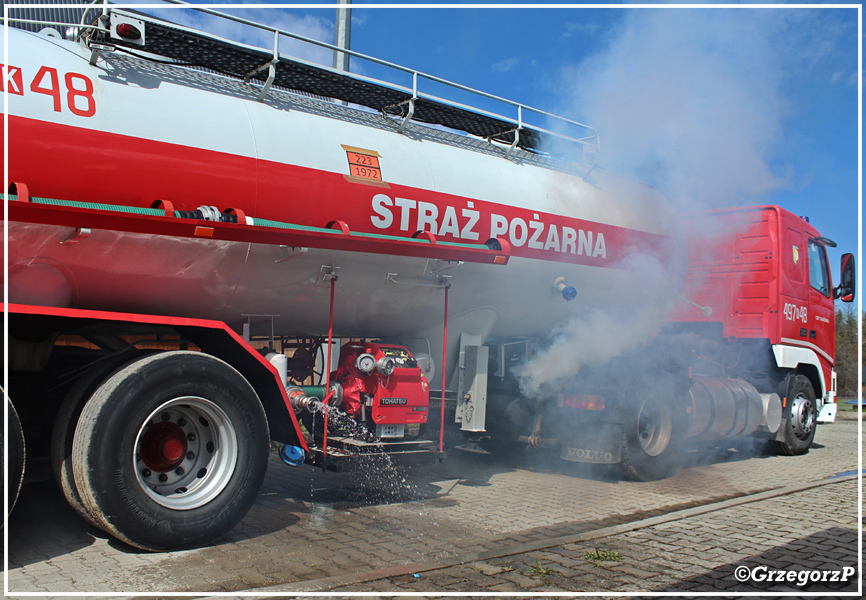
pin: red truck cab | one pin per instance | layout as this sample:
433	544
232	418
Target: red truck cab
762	273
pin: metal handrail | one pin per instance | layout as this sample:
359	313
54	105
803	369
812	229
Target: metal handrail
415	75
41	22
591	140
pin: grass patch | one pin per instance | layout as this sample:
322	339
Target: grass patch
598	556
842	404
539	570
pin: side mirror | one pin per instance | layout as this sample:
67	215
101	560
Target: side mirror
847	280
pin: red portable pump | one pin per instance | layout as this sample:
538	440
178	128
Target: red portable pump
383	387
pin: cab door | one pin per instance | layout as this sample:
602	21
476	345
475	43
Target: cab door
820	331
794	289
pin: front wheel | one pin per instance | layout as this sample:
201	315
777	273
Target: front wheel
171	451
801	418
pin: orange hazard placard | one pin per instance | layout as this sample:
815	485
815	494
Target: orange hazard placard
363	163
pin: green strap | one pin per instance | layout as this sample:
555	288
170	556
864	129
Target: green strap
158	212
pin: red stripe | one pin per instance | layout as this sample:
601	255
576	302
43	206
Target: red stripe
72	163
103	315
75	163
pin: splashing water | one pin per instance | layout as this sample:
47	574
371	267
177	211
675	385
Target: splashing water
377	475
341	422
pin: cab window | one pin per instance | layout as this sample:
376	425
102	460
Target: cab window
819	275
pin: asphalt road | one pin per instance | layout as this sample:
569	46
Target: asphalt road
393	530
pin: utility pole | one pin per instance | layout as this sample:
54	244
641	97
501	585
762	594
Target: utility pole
342	34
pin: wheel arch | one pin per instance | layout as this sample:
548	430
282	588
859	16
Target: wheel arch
813	374
213	337
802	361
225	344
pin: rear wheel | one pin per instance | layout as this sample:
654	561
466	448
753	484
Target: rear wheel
652	437
15	458
801	418
65	423
171	451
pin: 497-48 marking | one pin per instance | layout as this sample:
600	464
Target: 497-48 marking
77	88
793	312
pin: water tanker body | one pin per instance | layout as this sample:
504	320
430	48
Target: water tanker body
126	131
160	214
184	245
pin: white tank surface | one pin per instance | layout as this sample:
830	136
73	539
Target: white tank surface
126	131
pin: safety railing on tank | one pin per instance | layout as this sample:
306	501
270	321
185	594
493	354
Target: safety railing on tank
587	137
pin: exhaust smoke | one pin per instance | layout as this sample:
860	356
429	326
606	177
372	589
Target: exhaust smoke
632	312
693	102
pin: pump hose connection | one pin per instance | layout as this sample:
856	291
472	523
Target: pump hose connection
300	397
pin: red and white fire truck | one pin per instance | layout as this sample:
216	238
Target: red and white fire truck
208	242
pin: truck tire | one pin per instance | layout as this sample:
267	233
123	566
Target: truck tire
15	460
652	437
170	452
801	417
66	421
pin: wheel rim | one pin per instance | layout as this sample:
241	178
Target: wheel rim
802	417
654	427
185	453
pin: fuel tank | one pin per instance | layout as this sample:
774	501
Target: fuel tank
128	131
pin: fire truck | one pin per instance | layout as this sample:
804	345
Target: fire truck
748	351
212	248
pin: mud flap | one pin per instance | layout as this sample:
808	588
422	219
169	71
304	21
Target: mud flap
600	445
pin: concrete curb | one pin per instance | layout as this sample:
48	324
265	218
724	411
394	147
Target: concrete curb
328	583
849	415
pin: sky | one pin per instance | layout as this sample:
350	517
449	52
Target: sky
712	106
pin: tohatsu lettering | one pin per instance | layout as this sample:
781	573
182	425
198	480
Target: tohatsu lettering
463	223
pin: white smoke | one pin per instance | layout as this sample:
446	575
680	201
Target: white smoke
634	307
692	102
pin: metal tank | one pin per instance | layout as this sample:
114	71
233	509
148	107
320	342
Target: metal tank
113	128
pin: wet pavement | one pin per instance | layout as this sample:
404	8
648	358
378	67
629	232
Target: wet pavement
524	523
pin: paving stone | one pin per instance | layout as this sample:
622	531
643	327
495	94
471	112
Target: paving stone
505	586
309	526
485	568
639	573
